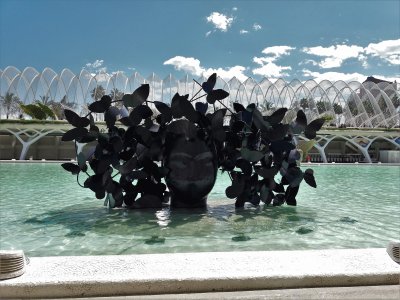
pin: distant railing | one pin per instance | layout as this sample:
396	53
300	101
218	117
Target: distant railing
337	158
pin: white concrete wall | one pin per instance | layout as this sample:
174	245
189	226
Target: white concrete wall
88	276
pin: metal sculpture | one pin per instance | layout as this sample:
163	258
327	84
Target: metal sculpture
186	145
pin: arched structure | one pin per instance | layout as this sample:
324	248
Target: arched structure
370	105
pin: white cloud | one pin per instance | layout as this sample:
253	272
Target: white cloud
334	76
208	33
220	21
192	66
97	70
96	64
347	77
117	72
242	31
278	51
307	62
364	61
271	70
335	55
268	67
234	8
264	60
388	50
187	64
101	77
100	73
257	27
228	73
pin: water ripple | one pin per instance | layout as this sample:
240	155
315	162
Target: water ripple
43	212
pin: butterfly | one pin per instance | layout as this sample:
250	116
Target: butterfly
310	130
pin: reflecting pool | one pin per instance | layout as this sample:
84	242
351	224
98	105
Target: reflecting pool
44	212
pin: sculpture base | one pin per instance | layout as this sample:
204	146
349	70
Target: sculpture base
178	202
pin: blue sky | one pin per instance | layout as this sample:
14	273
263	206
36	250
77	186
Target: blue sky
289	39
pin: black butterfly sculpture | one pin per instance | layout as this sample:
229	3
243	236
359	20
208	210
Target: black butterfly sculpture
185	145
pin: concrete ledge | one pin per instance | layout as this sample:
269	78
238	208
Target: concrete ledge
381	292
89	276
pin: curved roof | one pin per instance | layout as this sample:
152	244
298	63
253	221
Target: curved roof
373	103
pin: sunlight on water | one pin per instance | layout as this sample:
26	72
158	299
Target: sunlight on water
44	212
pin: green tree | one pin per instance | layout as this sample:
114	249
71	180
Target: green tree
44	100
368	108
351	103
337	108
322	106
266	106
304	103
11	103
38	111
34	111
53	109
396	100
58	107
64	102
98	92
328	118
116	94
58	110
47	110
382	105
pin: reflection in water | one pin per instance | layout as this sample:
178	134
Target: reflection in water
304	230
348	220
241	238
163	217
169	222
155	240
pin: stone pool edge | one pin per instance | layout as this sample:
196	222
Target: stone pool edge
145	274
303	164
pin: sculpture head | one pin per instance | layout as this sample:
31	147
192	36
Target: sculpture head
192	172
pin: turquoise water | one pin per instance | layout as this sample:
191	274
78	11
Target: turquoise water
44	212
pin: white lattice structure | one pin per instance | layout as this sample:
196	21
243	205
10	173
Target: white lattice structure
367	104
361	104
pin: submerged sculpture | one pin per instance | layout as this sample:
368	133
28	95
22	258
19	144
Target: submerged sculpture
186	145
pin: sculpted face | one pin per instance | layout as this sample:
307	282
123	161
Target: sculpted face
192	171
